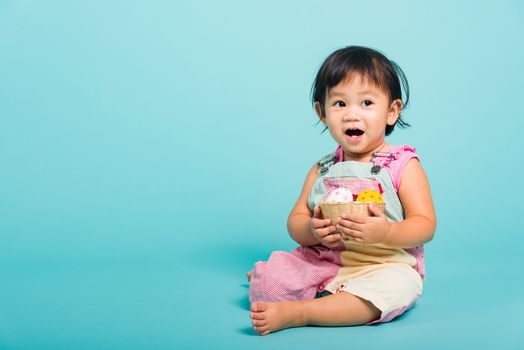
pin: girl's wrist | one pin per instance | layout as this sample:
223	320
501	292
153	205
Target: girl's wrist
388	234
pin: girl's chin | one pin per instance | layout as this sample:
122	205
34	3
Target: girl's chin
357	152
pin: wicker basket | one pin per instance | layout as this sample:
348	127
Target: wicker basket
333	211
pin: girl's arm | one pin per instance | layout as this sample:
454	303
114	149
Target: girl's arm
298	222
310	228
419	224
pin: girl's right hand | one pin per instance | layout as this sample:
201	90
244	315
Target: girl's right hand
324	231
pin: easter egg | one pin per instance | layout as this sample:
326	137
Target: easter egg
339	195
370	196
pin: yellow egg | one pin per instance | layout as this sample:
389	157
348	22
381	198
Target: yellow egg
370	196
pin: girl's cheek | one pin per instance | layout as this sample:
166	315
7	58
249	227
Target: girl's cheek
335	113
367	111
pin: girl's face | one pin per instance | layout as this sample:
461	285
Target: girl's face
356	115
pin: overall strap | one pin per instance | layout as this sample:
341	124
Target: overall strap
326	162
380	160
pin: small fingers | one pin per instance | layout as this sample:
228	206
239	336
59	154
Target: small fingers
325	232
319	223
317	212
343	223
359	219
356	234
376	211
344	227
347	226
333	241
349	233
333	238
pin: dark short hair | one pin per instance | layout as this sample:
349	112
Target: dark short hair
370	65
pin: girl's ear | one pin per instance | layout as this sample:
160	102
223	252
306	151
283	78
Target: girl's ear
394	111
321	116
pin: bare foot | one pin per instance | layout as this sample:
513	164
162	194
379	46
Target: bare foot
272	317
248	275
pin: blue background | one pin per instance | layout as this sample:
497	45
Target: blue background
151	151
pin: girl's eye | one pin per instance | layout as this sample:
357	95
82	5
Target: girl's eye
340	104
367	103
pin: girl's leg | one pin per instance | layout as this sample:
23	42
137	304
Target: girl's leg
339	309
293	276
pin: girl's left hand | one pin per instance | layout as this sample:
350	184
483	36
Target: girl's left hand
365	229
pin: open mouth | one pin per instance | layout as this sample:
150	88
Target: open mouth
354	135
354	132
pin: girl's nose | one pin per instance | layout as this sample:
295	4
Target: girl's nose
352	115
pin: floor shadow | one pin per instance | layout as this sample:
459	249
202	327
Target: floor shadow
248	331
244	303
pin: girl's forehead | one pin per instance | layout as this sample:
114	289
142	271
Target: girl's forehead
359	84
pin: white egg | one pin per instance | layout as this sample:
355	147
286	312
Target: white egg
339	195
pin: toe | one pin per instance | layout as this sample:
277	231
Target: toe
264	332
259	323
258	307
257	316
249	274
254	307
261	330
